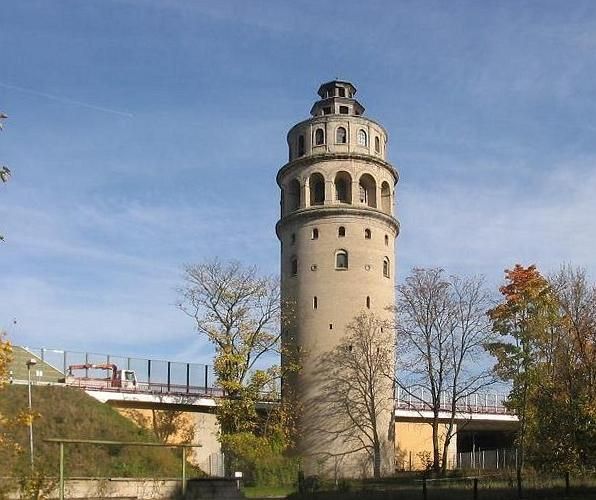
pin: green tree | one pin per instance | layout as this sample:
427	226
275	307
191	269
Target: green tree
239	312
562	432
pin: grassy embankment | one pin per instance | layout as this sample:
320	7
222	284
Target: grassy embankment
70	413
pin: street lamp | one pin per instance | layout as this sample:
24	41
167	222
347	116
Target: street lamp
31	362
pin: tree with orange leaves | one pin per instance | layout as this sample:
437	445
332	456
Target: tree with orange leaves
525	318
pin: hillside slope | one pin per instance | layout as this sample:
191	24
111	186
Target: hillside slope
70	413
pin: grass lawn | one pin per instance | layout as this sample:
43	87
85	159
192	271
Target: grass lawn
267	491
489	488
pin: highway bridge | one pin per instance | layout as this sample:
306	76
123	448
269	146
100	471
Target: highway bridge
482	420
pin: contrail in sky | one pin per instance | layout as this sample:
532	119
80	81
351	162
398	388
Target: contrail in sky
66	100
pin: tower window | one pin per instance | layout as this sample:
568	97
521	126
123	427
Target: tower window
341	232
293	198
344	110
330	326
317	189
386	267
315	234
362	139
341	136
343	187
367	234
293	238
327	110
300	145
342	92
315	302
386	240
386	197
294	266
341	259
368	190
319	137
368	302
377	144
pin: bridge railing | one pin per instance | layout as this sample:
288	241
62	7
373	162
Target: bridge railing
419	399
154	375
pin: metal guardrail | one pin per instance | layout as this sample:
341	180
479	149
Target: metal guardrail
155	373
162	377
418	399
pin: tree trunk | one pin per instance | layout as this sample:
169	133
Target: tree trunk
377	460
445	455
436	452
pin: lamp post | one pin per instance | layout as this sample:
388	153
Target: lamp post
31	362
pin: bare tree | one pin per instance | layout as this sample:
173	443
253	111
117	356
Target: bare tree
442	328
239	312
358	391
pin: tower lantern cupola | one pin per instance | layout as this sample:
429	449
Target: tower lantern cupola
337	98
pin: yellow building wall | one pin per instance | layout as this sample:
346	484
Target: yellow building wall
414	445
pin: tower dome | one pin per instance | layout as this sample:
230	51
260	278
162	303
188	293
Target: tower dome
337	231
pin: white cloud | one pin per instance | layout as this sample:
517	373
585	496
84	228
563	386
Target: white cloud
486	227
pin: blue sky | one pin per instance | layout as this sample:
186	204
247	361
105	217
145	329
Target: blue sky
145	134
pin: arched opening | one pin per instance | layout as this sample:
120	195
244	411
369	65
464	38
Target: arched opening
377	144
362	138
386	197
386	267
317	189
319	137
368	190
294	266
341	259
341	136
341	231
367	234
343	187
300	145
293	198
315	234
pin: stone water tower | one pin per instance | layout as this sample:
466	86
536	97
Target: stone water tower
337	232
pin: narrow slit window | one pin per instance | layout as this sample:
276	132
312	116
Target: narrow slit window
377	144
315	234
386	240
315	302
367	234
294	266
293	238
368	302
330	326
